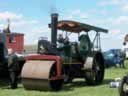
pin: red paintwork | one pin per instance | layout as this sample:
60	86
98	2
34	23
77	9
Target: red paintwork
18	44
49	57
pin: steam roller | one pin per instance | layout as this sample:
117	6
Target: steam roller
42	73
60	61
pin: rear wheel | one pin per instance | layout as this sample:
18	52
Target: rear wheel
96	74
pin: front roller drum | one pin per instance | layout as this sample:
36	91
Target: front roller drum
37	75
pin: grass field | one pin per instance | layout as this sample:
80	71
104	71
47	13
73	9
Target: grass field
77	88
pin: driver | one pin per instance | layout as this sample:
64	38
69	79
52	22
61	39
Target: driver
66	40
60	38
60	41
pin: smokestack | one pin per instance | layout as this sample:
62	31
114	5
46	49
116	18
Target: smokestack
54	21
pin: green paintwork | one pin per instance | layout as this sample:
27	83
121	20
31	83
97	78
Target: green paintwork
76	51
94	28
85	44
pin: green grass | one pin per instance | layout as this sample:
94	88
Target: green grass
77	88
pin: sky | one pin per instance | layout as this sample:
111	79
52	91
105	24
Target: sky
31	17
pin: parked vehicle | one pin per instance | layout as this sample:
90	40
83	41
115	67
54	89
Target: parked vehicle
125	45
113	57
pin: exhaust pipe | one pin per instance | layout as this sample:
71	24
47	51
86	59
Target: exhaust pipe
54	21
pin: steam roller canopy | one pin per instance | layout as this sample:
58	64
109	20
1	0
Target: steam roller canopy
36	75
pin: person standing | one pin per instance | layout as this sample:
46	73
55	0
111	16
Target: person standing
123	56
13	68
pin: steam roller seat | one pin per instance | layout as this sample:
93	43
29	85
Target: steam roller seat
85	45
